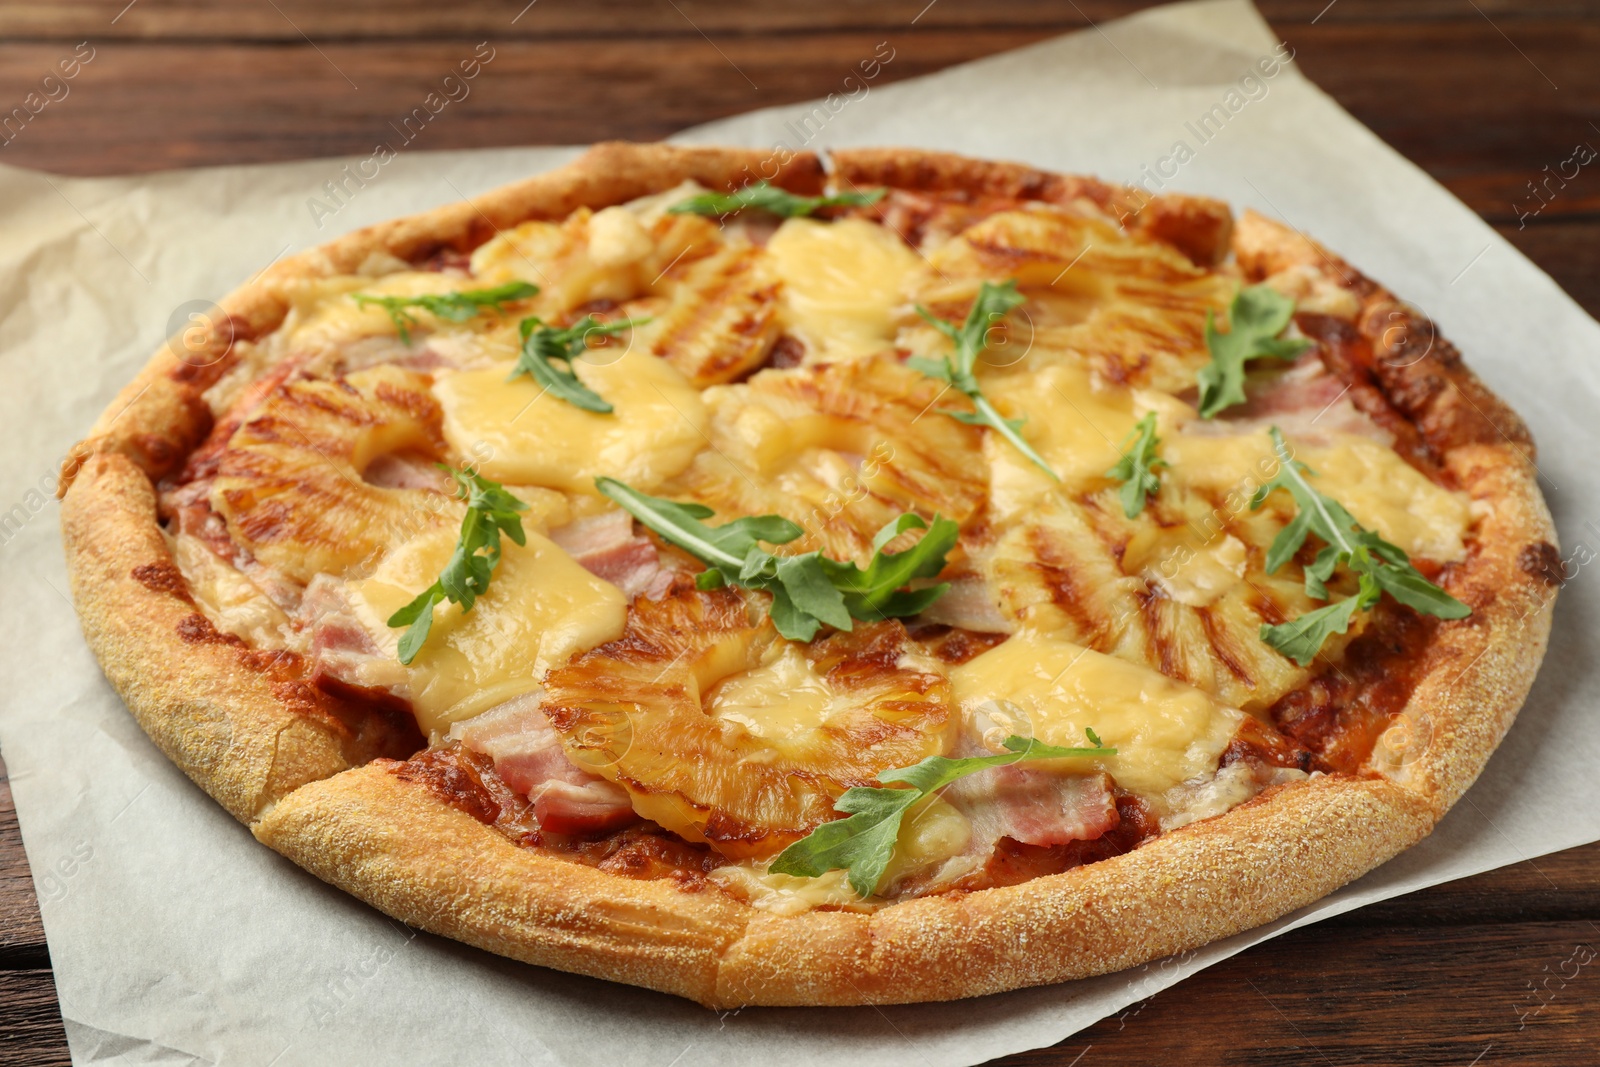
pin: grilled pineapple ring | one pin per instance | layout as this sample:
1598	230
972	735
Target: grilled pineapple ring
290	483
678	711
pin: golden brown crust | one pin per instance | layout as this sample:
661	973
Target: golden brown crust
403	849
395	845
1478	669
237	721
1198	226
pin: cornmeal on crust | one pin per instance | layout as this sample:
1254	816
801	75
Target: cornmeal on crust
248	637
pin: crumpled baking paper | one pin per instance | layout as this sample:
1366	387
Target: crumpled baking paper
177	939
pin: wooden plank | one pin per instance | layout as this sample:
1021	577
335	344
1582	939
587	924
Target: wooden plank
1561	887
1493	120
31	1034
1569	251
1335	996
293	21
1486	124
21	932
286	103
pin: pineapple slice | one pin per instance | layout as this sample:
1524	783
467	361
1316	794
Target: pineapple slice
1180	589
721	318
840	449
1126	307
724	733
290	487
604	258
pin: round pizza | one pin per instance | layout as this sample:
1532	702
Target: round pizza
782	580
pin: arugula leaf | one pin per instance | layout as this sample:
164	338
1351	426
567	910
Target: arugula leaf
1256	317
807	590
1136	470
452	307
863	844
764	196
545	346
491	511
1382	567
971	338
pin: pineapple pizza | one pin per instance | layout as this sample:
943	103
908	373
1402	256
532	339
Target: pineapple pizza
887	578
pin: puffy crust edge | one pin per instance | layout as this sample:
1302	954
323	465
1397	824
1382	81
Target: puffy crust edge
1198	226
1479	669
395	845
238	723
402	849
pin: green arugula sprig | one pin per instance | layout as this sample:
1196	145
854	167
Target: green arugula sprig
452	307
863	844
1256	317
971	338
1136	470
764	196
807	590
491	511
1382	567
543	347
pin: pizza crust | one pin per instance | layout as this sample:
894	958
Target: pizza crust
394	844
308	790
233	719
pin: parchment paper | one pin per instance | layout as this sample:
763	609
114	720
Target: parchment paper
176	938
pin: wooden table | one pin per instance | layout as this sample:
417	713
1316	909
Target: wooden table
1490	97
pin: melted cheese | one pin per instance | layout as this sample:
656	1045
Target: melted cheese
787	894
782	697
1380	489
1206	573
542	608
233	603
1037	685
324	313
842	281
933	834
1078	429
533	438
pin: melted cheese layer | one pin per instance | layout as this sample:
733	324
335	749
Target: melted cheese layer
842	281
542	608
1037	685
532	438
1380	489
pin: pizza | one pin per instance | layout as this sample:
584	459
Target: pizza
777	580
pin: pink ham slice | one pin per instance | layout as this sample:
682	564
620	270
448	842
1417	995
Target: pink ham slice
528	756
345	660
608	548
1034	806
405	470
1305	400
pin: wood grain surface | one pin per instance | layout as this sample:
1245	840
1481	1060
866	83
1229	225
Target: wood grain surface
1489	96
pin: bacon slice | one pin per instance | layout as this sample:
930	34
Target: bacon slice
1306	401
528	756
1034	806
607	547
404	470
345	660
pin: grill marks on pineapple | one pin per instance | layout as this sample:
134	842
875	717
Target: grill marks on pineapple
1068	567
722	319
639	711
289	482
1143	304
841	449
